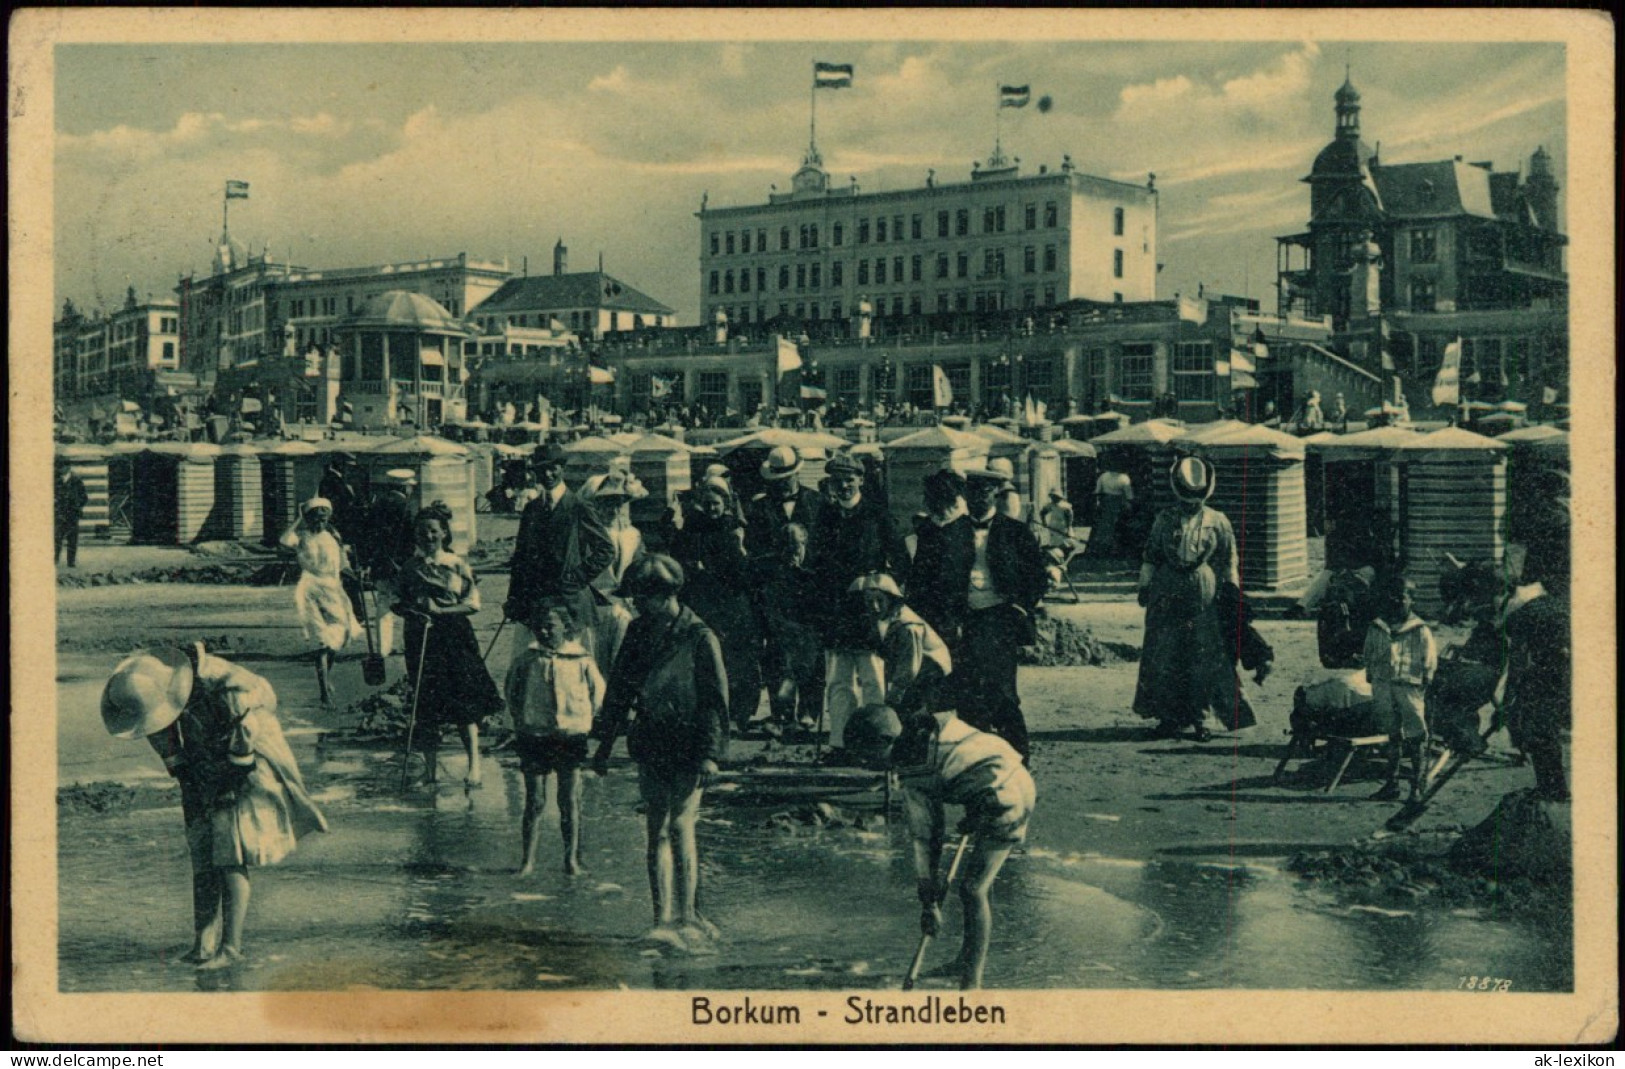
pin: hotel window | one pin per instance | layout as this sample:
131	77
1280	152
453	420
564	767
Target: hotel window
914	227
744	241
1424	246
916	268
1030	216
716	244
744	280
1422	294
1049	257
1051	214
812	235
942	302
837	234
844	384
962	222
784	277
801	236
863	272
1192	369
880	306
863	231
812	313
962	301
169	352
727	285
942	224
835	273
1117	263
801	276
784	238
880	231
880	271
761	241
1117	222
712	390
1049	296
1029	260
897	269
897	228
817	280
1042	381
801	310
962	265
942	265
998	219
1029	299
716	282
835	310
914	304
761	279
730	243
919	381
987	220
1136	371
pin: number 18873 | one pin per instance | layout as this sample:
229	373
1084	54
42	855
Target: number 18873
1484	983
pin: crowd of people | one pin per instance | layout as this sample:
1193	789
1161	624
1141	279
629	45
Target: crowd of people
889	649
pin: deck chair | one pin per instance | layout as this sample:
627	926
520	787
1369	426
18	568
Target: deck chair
1060	550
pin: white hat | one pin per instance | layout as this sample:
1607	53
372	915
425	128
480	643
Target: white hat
876	581
1192	479
613	484
316	503
397	475
782	463
147	692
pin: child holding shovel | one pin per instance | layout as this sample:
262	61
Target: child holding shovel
941	760
553	691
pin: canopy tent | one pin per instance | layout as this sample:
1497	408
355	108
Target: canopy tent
1151	432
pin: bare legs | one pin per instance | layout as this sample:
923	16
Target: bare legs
569	800
470	734
233	907
982	866
324	666
674	857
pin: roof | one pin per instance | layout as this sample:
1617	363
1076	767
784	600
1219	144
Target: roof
400	309
1441	188
585	289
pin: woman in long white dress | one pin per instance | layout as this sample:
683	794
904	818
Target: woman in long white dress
324	608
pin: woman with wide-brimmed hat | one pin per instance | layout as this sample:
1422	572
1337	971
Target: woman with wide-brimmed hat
325	610
214	725
609	495
711	548
1185	669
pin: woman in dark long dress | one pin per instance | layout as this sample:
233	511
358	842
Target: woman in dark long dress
1186	670
438	596
711	548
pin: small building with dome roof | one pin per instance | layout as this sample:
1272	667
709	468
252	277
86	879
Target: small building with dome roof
400	362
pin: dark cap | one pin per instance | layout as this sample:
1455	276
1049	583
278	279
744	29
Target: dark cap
548	453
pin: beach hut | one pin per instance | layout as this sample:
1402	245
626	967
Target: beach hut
589	456
661	464
290	473
1259	486
911	458
1536	458
1145	451
90	463
121	489
744	455
1314	481
1360	487
1452	499
1079	470
444	474
239	495
863	430
173	492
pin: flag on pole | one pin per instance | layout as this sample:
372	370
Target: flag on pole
942	393
789	356
1221	367
1014	96
1447	385
599	376
659	386
832	75
1029	412
1192	309
236	190
812	393
1241	362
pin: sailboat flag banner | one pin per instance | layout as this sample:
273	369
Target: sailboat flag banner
1447	385
236	190
942	393
789	356
832	75
1014	96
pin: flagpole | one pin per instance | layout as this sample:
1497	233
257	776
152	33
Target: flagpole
998	122
225	215
812	131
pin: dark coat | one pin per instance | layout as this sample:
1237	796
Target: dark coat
673	676
765	520
939	581
560	550
384	543
71	497
843	545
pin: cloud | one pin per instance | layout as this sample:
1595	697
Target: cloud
1156	92
616	81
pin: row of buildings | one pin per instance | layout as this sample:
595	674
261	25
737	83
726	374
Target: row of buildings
1011	283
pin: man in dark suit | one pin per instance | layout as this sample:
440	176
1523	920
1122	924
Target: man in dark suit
854	535
977	579
71	498
782	502
561	548
383	545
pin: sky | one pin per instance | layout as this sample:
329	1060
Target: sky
364	154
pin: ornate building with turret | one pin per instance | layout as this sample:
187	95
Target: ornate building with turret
1407	257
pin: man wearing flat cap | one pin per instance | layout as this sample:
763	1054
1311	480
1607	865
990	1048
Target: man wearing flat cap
561	548
978	577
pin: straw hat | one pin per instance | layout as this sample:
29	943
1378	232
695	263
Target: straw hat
316	503
782	463
994	472
1192	479
397	477
147	692
613	486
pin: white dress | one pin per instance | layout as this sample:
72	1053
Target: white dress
324	608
